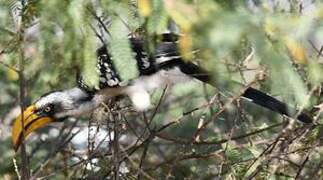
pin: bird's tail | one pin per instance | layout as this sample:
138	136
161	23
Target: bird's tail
274	104
254	95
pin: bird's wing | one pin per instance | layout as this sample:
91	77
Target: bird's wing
108	73
108	76
167	57
145	63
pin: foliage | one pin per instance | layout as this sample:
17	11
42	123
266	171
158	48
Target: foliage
193	131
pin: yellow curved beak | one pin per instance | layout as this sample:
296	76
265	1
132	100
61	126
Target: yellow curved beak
25	124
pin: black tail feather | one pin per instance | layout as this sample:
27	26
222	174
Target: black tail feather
275	105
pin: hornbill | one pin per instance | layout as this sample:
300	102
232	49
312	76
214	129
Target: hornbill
165	66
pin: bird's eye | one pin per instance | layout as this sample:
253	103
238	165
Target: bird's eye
47	109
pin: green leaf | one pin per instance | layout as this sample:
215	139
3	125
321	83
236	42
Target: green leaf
158	21
121	52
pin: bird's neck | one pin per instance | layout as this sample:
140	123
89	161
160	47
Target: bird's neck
84	102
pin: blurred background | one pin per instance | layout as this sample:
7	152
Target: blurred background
192	130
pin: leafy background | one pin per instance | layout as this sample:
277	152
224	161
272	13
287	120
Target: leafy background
192	130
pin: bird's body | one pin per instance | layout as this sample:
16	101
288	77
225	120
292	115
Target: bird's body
164	67
156	71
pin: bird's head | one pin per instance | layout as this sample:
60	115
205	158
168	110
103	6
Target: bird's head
51	107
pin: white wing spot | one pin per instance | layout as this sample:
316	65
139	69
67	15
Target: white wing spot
165	58
102	79
112	82
108	75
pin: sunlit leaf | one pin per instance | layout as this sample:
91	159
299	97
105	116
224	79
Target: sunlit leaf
296	50
144	7
12	75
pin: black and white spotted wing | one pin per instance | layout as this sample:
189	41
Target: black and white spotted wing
145	63
108	76
165	50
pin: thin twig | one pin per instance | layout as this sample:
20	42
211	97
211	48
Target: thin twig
214	116
24	157
16	168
